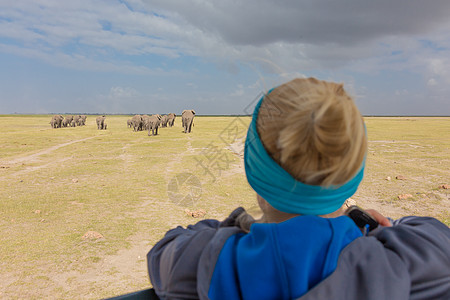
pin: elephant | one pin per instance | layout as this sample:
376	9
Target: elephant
153	123
56	121
146	119
53	122
164	120
83	120
187	119
66	122
137	123
73	123
171	119
101	122
145	122
78	120
129	124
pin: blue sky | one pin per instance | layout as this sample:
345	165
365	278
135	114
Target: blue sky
160	56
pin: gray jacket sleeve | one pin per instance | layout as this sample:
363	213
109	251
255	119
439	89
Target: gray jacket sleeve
410	260
173	261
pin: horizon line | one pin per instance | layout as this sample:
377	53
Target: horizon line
198	115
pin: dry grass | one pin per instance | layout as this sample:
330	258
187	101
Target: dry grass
58	184
417	149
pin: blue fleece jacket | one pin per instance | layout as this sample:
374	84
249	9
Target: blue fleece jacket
282	260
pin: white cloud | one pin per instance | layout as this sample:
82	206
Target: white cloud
432	82
239	91
401	92
437	74
80	62
122	92
72	26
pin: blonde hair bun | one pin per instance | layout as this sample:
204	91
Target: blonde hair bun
313	129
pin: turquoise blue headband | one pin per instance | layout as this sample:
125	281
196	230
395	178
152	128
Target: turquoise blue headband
284	192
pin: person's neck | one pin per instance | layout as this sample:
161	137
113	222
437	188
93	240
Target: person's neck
276	216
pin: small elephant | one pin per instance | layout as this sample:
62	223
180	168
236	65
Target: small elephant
153	123
101	123
171	119
187	119
129	124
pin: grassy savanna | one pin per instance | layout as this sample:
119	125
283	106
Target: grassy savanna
58	184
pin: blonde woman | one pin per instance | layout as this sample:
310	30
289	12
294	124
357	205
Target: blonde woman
304	156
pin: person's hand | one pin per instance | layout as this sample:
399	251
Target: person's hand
382	220
231	220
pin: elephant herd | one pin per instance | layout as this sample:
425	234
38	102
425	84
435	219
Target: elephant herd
59	121
137	122
153	122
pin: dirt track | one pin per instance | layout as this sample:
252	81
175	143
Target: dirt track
32	157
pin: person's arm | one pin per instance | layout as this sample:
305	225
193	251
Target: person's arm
172	262
408	260
423	244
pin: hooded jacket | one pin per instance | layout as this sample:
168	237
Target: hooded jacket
306	257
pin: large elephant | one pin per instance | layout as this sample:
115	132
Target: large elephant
137	123
171	119
152	123
145	122
56	121
187	118
101	122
